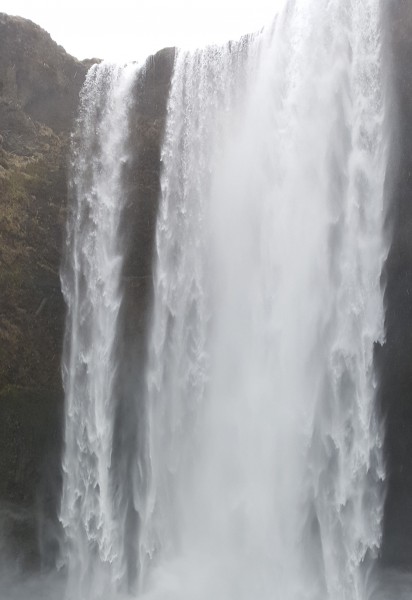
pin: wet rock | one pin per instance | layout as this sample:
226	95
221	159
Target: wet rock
39	90
395	358
39	87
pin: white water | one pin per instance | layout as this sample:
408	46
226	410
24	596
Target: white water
263	451
91	282
264	448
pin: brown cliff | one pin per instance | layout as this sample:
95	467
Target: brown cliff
39	90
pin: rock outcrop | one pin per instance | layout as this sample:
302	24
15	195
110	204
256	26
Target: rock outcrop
39	92
395	358
39	88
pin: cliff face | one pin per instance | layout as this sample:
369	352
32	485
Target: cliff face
39	87
395	358
39	90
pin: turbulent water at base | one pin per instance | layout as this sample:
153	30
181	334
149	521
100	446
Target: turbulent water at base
264	450
91	282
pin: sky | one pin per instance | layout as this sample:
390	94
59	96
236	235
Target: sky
123	30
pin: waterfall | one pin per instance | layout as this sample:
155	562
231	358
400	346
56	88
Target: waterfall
260	475
91	282
264	449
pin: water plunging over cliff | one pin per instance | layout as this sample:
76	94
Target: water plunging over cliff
264	449
261	473
91	281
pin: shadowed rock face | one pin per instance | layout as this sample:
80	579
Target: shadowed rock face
395	359
39	90
142	184
37	75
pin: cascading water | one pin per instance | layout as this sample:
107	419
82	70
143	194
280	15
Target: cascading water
261	475
91	282
264	449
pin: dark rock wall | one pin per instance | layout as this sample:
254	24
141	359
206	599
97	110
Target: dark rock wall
142	180
37	75
395	358
39	90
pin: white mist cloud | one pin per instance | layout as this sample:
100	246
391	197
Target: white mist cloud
131	29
